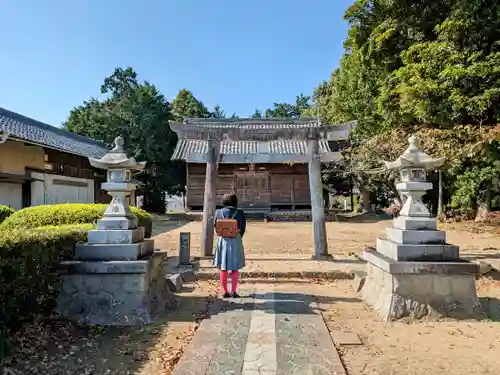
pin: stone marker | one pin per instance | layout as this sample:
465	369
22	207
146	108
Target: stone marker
116	278
414	272
185	248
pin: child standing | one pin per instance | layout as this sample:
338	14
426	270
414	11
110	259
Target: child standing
229	253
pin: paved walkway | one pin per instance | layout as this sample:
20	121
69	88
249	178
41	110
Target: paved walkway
269	331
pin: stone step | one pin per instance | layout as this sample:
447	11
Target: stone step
416	236
120	236
417	252
131	251
414	223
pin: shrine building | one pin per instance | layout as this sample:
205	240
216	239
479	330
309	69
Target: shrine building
263	161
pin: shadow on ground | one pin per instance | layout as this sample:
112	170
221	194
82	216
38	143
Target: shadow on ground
491	307
59	347
164	225
363	218
281	303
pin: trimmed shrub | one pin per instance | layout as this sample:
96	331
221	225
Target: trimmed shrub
29	283
5	212
68	213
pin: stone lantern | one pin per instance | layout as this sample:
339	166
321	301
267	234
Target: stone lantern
413	165
413	272
116	277
119	185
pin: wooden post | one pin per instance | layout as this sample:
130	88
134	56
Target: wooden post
440	193
209	203
318	211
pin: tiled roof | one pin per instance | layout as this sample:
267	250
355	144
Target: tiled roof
283	147
30	130
254	124
186	146
294	147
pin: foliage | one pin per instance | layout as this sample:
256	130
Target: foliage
139	113
364	160
5	212
29	284
257	114
186	105
415	63
218	112
63	214
286	110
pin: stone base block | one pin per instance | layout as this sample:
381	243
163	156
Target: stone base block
417	252
416	236
414	223
114	298
417	290
112	223
125	236
133	251
174	282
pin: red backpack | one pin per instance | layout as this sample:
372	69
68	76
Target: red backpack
227	228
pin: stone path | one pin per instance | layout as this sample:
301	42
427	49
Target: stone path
268	331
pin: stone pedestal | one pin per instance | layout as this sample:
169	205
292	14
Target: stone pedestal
415	290
414	273
116	279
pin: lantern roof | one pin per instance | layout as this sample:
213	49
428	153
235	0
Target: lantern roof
117	158
415	157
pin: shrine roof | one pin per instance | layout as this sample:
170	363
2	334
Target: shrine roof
274	151
252	123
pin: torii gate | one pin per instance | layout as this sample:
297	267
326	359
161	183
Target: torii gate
307	130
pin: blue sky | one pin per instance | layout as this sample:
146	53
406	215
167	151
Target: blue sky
240	54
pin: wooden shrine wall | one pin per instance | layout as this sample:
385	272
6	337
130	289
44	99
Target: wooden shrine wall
261	186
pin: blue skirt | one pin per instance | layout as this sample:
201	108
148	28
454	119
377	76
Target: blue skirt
229	254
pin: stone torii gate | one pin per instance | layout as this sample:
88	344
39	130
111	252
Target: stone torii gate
214	132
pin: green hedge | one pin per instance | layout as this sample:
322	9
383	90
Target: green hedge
29	283
5	212
69	213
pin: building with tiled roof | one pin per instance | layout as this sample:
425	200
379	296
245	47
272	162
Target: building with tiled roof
263	160
42	164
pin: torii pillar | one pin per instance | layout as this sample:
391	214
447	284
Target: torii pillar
209	203
316	191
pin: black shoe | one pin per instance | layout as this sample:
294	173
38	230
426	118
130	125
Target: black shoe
235	295
226	295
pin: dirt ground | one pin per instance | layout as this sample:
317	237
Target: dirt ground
57	347
425	348
289	239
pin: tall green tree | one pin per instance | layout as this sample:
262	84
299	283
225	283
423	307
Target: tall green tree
186	105
139	113
257	114
287	110
218	112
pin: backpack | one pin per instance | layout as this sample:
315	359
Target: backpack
227	228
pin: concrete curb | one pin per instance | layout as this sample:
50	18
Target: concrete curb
327	275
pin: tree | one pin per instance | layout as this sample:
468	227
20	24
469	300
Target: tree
139	113
186	105
257	114
286	110
416	63
218	112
